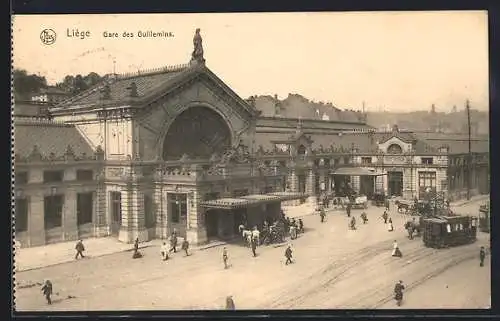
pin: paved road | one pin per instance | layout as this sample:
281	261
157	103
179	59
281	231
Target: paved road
334	268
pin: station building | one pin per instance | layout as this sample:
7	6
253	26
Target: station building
142	154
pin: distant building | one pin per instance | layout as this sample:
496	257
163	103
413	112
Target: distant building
51	95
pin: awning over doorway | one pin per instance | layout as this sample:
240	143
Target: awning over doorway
356	171
250	200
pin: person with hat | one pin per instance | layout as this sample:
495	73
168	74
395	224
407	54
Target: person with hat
398	292
47	291
185	246
79	249
482	255
288	254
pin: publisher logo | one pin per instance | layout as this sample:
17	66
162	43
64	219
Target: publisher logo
48	36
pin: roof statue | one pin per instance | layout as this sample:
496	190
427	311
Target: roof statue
197	55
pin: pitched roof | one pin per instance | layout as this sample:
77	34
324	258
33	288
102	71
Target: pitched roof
49	137
147	83
457	143
149	86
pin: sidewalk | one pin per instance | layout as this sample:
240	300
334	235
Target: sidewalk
53	254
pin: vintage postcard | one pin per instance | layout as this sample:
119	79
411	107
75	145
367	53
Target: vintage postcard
251	161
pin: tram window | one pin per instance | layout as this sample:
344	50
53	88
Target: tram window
448	228
461	226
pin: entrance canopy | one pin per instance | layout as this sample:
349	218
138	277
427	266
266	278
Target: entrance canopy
250	200
356	171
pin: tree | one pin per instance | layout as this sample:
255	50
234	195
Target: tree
77	84
25	85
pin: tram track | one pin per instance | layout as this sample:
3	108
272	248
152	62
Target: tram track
320	289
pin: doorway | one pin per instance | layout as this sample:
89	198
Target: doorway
212	221
395	183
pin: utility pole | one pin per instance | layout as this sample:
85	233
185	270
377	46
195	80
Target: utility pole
469	155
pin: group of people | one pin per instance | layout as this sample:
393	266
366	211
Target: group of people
165	250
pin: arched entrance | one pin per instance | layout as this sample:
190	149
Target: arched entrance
198	132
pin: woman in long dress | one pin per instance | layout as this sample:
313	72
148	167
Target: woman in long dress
395	249
390	227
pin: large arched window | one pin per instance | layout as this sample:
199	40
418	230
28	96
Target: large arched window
394	149
197	132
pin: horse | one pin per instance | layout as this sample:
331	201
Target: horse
247	237
412	227
256	235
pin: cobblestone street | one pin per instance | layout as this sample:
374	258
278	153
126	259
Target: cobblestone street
334	268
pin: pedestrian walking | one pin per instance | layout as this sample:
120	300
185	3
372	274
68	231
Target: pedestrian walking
225	257
293	232
185	246
322	214
230	303
396	252
301	226
288	255
79	249
390	226
173	242
136	254
47	291
387	204
385	216
254	247
348	209
164	251
398	292
482	255
352	223
364	217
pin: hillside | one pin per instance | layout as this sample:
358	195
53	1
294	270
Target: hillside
438	121
297	106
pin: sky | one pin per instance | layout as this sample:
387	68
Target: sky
394	61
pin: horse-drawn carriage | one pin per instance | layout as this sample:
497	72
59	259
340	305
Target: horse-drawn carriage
274	233
360	201
446	231
379	199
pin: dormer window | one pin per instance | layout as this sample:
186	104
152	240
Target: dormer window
394	149
133	89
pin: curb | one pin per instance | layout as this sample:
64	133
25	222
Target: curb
116	252
70	261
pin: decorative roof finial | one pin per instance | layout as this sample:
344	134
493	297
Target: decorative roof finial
197	55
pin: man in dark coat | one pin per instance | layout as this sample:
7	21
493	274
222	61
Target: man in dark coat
482	255
348	209
79	249
185	246
173	242
385	216
225	257
47	291
254	246
398	292
288	255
